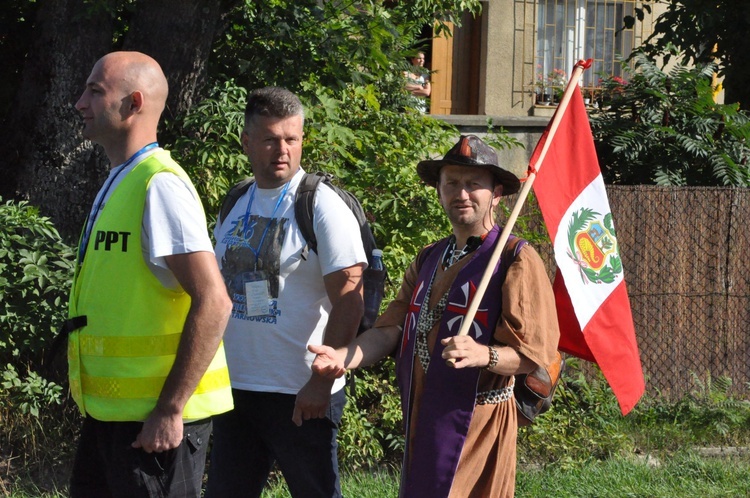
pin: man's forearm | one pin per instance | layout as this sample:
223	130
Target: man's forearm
201	336
344	289
206	320
370	347
343	321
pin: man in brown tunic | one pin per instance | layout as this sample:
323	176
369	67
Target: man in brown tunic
460	418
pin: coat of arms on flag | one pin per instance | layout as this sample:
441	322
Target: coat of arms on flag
593	246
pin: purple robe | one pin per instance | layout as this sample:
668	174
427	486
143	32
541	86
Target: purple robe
449	394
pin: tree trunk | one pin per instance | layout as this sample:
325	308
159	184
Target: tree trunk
179	34
44	158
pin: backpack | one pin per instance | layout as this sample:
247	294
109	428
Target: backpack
373	277
533	392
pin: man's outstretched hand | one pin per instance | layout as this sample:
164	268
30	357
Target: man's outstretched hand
329	362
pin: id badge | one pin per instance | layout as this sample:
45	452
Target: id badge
256	293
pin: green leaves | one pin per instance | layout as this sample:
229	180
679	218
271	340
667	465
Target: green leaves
370	433
27	394
700	32
208	144
665	128
36	269
328	44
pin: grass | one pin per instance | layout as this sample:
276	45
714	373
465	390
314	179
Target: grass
583	447
362	484
684	474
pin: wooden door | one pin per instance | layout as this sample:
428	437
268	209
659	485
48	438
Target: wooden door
455	66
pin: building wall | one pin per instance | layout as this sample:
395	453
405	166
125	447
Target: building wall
507	46
508	38
506	69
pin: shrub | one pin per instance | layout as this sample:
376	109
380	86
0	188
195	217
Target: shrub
664	127
585	423
705	415
372	432
582	425
36	269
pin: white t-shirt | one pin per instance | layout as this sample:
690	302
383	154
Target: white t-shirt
267	349
173	219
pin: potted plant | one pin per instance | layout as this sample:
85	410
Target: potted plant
541	94
586	94
556	80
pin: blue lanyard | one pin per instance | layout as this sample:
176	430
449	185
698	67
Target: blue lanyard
256	250
103	194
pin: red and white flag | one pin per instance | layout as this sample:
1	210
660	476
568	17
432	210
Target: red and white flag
596	323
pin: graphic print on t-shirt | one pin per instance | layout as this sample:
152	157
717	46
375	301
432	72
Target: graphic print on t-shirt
253	247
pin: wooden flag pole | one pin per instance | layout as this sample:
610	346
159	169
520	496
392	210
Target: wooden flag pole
484	282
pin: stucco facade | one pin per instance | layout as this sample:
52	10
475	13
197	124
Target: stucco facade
487	70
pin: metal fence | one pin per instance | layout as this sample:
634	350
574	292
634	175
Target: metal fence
686	255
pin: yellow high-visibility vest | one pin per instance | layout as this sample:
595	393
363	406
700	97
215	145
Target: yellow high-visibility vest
119	360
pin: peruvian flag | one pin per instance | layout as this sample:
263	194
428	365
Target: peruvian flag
593	308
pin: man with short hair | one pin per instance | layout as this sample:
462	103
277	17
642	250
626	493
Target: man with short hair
148	306
460	418
285	298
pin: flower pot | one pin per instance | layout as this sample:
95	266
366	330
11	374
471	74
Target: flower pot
543	98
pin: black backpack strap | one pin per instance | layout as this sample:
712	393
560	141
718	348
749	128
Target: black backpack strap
303	208
233	196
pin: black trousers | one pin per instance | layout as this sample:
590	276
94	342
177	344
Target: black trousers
106	466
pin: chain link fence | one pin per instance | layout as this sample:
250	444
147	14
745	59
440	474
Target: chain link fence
686	255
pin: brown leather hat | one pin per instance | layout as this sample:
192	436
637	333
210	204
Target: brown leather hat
470	151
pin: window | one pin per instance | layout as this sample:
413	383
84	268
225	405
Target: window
570	30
